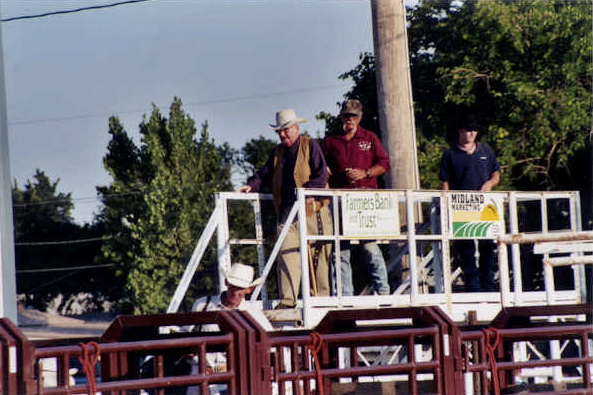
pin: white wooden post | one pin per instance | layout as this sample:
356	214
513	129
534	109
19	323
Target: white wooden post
7	263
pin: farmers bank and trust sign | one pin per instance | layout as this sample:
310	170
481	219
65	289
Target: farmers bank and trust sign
375	214
372	214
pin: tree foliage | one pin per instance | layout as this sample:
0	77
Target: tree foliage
158	203
524	66
255	153
123	205
54	255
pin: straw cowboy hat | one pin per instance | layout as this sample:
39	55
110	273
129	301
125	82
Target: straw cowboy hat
286	118
241	276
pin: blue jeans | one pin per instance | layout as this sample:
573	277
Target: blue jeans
375	264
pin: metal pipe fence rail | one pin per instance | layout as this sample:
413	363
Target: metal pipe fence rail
293	356
223	361
414	350
516	351
129	356
422	260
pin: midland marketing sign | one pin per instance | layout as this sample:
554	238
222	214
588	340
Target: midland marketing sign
476	215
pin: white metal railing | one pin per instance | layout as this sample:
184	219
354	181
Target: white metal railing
433	280
572	246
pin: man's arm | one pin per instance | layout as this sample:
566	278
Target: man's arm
381	160
319	175
359	174
375	171
492	182
444	172
260	177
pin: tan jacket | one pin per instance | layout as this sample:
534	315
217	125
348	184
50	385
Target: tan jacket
302	170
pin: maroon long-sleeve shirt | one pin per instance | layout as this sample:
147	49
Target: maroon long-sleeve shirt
363	151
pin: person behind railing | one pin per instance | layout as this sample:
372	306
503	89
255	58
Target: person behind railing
297	162
240	283
355	158
471	165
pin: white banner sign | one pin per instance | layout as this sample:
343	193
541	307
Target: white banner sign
372	214
476	215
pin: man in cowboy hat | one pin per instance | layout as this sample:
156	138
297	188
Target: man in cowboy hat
240	283
297	162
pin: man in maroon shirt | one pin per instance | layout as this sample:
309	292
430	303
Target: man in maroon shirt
355	158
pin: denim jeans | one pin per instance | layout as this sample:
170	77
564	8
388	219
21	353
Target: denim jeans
481	277
374	262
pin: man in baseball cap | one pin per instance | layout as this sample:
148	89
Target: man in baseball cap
356	158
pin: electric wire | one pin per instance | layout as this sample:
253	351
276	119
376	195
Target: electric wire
185	105
80	9
61	269
105	196
43	285
47	243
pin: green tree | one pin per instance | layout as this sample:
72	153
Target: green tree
525	67
54	255
253	156
255	153
123	205
167	188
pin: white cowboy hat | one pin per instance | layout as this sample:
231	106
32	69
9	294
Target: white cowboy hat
286	118
241	276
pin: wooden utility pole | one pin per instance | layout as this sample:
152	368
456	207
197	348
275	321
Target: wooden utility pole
395	104
396	112
7	265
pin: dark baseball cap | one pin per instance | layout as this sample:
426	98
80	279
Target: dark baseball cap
353	107
470	122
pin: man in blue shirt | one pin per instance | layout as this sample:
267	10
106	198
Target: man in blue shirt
471	165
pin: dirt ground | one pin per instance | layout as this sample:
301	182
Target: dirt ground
37	325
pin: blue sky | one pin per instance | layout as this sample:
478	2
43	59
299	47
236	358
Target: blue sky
232	63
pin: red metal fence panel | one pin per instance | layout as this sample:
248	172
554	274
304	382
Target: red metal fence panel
386	350
501	356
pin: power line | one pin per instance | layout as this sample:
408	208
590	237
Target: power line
44	243
103	196
55	280
60	278
89	8
61	269
66	200
185	105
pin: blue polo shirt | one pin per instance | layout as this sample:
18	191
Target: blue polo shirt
465	171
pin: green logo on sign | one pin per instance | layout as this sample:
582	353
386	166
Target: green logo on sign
471	229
